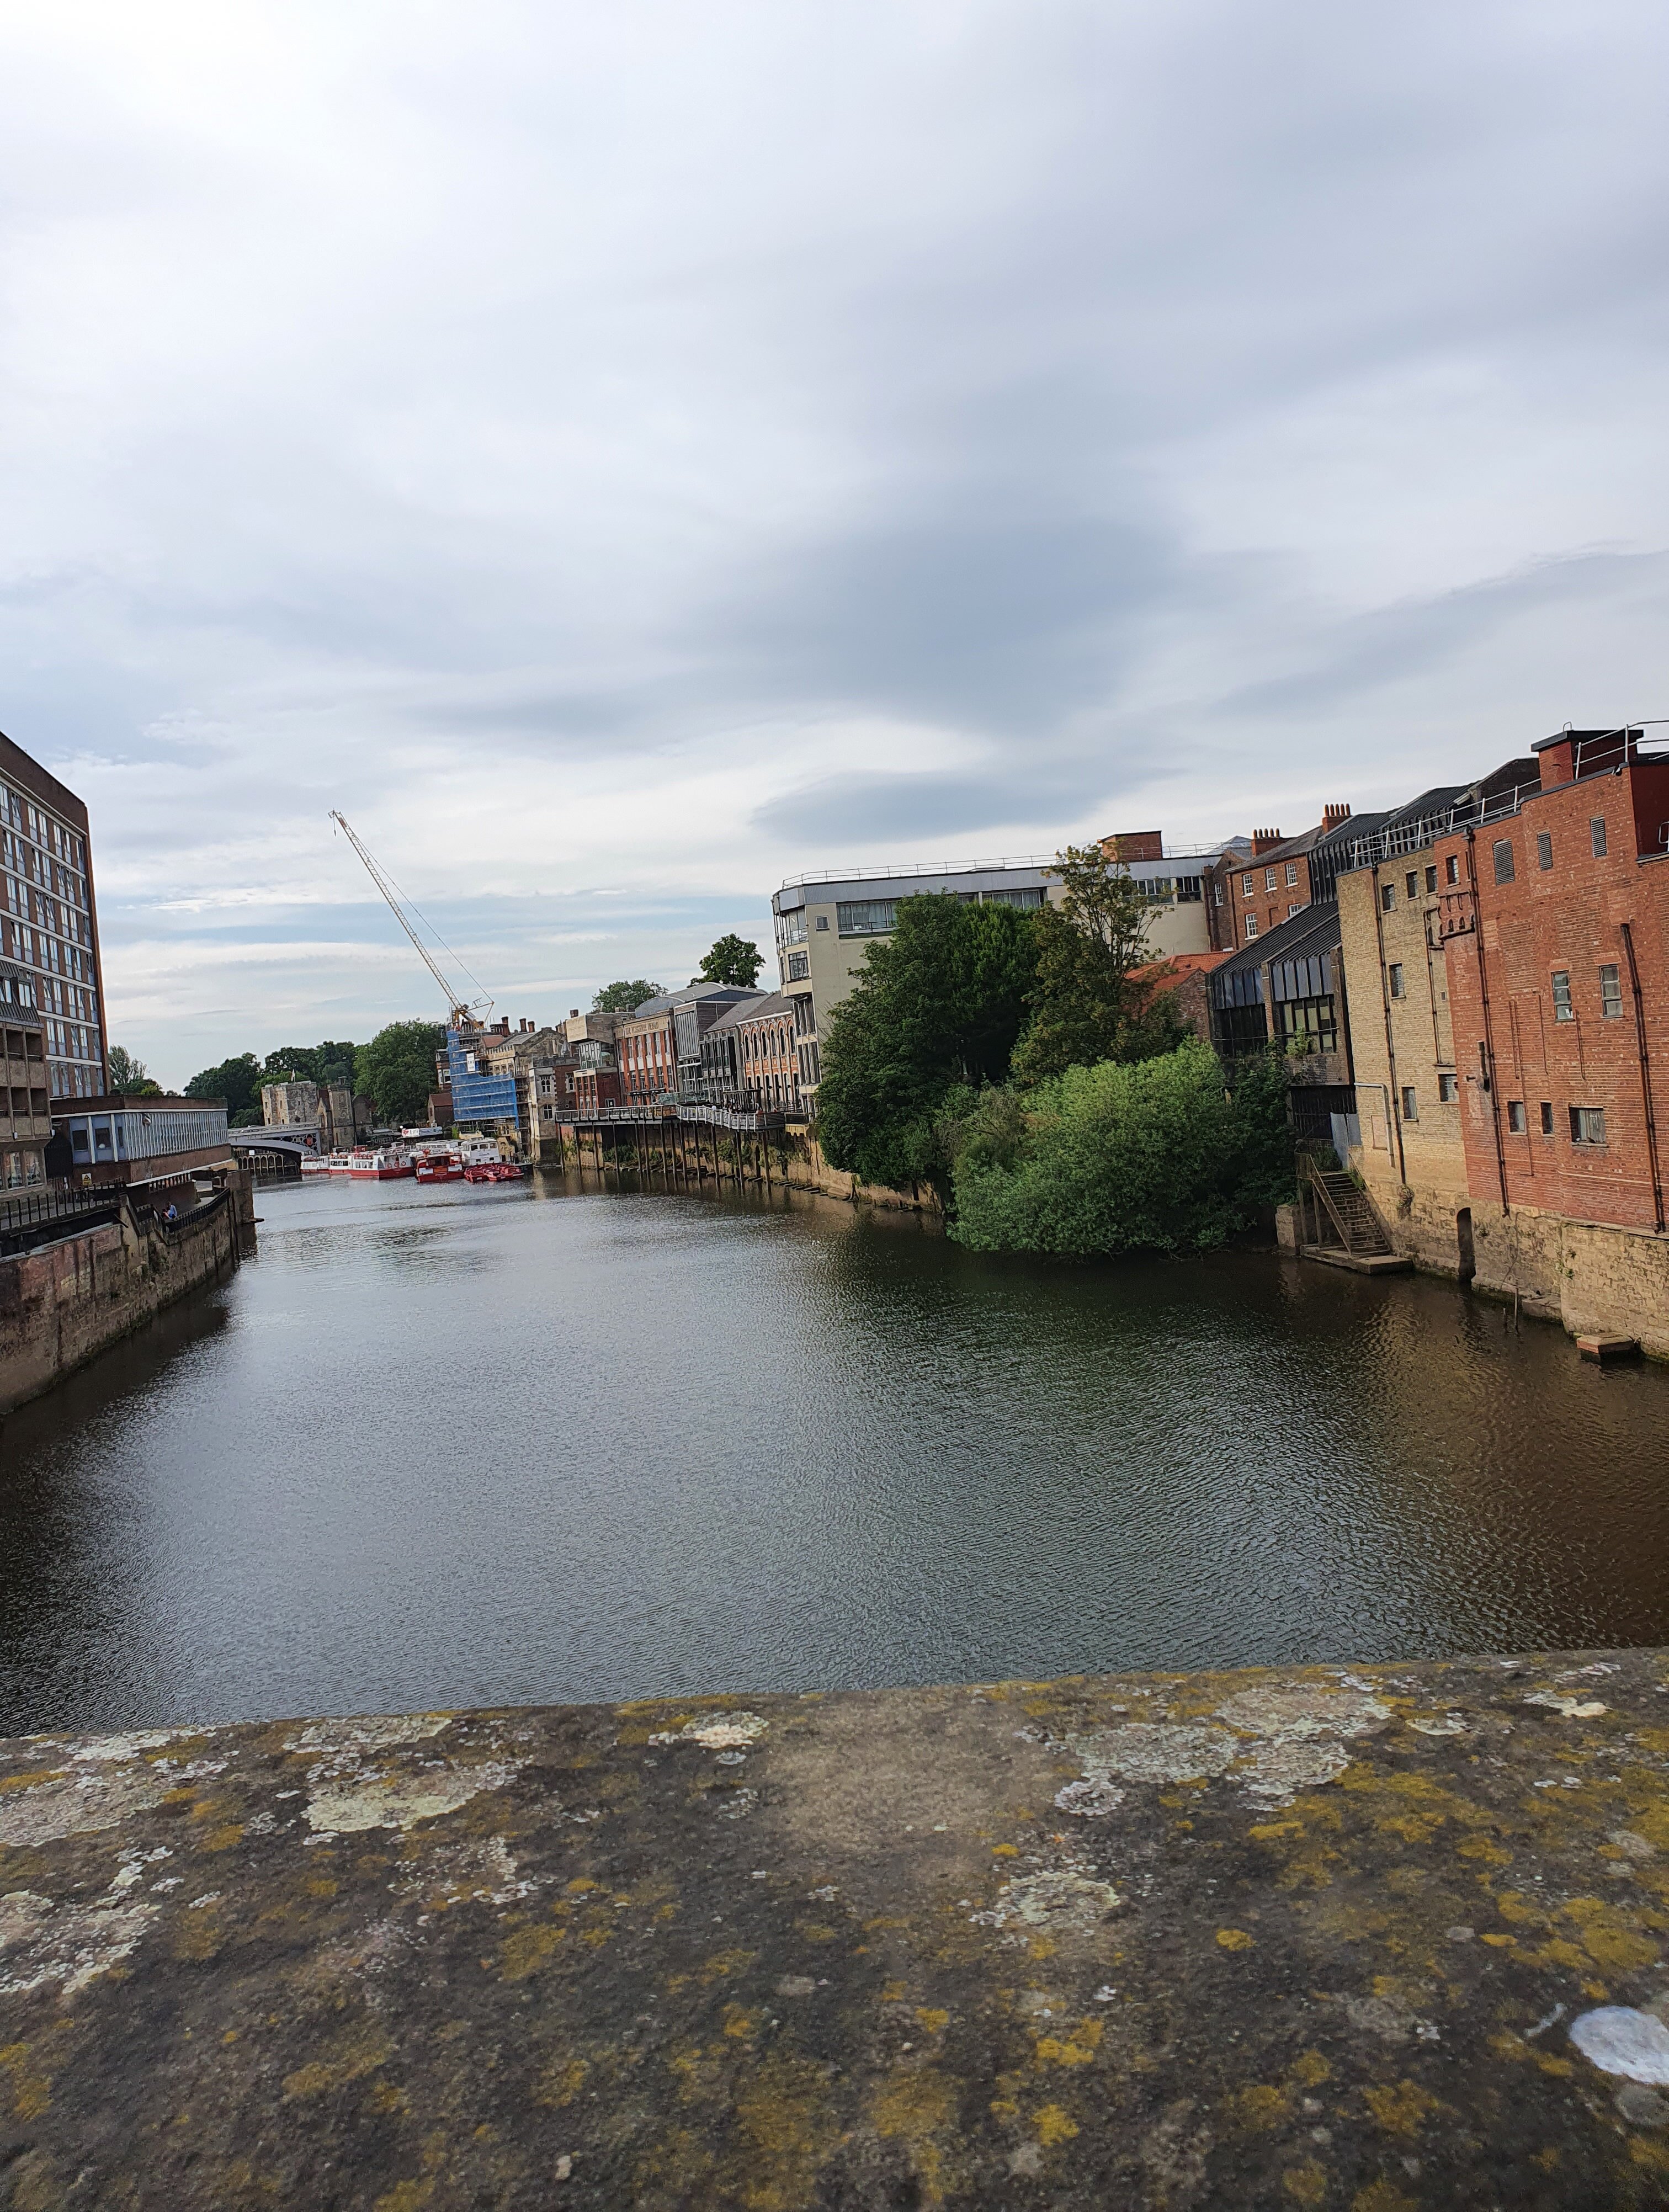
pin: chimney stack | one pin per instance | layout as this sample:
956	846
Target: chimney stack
1263	841
1332	815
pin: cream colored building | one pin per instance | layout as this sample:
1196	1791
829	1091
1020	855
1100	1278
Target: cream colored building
1413	1154
825	924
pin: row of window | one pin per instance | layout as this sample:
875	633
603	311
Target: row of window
1564	1006
1501	851
1587	1123
1272	880
30	821
1251	921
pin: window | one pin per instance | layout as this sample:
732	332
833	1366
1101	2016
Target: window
1547	1117
1388	897
866	917
1396	972
1251	925
1597	839
1292	874
1503	860
791	927
1216	894
1307	1025
822	921
799	967
1291	910
1189	891
1431	879
1246	886
1563	1009
1449	1090
1517	1121
1410	1105
1544	849
1588	1125
1611	993
1269	879
1411	884
1452	869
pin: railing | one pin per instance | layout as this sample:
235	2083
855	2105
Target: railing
862	875
760	1120
195	1218
47	1201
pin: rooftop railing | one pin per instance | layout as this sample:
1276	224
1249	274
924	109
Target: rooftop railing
866	875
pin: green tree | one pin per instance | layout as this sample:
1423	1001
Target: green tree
396	1069
1153	1156
624	998
237	1081
1084	1007
130	1077
732	960
938	1004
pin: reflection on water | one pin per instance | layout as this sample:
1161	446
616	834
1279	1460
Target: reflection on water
458	1446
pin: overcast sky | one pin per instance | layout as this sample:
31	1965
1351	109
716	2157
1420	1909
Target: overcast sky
623	456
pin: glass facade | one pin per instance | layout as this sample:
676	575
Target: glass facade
478	1094
143	1133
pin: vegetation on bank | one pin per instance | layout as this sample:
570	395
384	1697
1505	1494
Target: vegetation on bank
396	1070
1017	1061
1151	1156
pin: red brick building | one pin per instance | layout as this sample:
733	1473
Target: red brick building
1246	897
596	1087
646	1049
1555	920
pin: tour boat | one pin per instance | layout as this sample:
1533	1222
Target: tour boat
311	1164
380	1166
437	1164
492	1171
339	1163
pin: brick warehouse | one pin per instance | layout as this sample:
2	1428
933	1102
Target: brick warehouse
1545	906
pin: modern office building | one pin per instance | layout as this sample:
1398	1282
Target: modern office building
49	923
826	923
134	1140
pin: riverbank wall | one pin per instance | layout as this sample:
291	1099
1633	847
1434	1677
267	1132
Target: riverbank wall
679	1153
66	1301
1375	1938
1593	1279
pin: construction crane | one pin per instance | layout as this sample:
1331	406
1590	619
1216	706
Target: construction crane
463	1012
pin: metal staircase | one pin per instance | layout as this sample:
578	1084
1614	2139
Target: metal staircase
1339	1222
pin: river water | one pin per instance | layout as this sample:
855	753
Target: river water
462	1446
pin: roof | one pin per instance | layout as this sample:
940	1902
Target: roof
668	999
1292	940
1167	974
747	1010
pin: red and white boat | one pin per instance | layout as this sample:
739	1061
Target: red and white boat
380	1166
437	1164
481	1161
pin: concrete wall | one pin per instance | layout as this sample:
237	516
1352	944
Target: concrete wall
61	1305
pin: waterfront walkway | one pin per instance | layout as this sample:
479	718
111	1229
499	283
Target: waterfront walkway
1374	1938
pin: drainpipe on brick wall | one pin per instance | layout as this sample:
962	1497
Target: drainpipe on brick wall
1645	1076
1488	1048
1393	1097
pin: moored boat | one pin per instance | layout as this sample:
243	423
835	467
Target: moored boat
378	1166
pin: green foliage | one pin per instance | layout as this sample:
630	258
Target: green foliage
733	960
237	1081
938	1005
332	1061
397	1068
1267	1172
130	1077
1085	1008
624	998
1153	1157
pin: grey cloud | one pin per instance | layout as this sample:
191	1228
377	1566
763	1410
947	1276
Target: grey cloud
879	809
1412	644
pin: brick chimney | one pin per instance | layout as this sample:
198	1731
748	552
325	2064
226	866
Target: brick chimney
1332	815
1265	841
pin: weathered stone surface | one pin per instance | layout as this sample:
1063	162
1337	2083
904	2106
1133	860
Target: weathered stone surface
1372	1939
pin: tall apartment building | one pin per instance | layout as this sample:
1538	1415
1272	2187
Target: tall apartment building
26	1124
825	924
49	923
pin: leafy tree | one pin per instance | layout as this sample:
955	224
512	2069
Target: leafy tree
732	960
624	998
332	1061
1155	1157
397	1068
1086	1009
938	1005
1267	1167
130	1077
237	1081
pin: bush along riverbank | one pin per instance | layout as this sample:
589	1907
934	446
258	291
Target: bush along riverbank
1155	1156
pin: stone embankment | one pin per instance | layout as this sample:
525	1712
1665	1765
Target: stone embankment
65	1301
1375	1939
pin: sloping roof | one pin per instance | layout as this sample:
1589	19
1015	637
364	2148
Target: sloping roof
745	1009
1166	975
1290	942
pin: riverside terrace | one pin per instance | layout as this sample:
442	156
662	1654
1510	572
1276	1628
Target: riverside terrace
1377	1938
